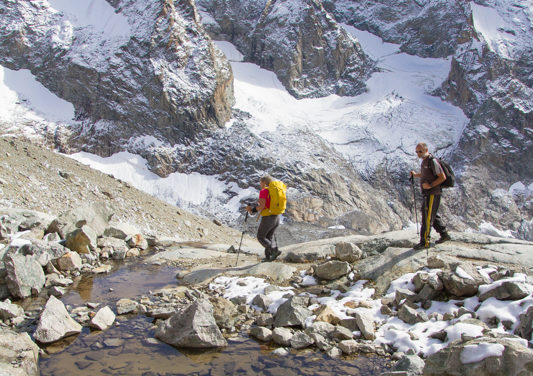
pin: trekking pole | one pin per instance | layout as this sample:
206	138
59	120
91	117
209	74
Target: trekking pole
412	179
242	236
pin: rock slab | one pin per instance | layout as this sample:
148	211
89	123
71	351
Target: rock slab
55	323
194	327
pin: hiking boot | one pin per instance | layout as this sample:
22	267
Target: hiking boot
444	237
268	253
420	245
275	253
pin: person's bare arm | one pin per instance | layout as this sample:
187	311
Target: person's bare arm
440	179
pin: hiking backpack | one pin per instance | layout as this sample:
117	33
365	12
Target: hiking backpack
450	176
277	191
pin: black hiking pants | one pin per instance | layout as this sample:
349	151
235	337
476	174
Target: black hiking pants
266	230
430	218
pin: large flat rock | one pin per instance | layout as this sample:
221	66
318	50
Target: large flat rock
174	254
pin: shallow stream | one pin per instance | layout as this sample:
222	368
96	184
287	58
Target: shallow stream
129	347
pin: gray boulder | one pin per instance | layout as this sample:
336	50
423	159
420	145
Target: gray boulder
334	352
265	319
9	310
19	355
95	215
43	251
427	293
55	279
420	280
55	323
410	365
404	295
293	312
507	291
120	230
262	301
464	281
103	319
410	315
349	323
57	291
349	252
4	290
113	246
194	327
341	333
322	328
25	276
137	241
365	323
320	342
13	220
481	356
161	312
349	346
69	261
261	333
301	340
225	313
333	269
308	252
125	306
278	272
282	336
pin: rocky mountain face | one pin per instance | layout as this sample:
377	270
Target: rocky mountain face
491	84
298	40
316	194
158	75
425	28
161	76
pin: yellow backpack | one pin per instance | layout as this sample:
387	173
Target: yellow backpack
277	191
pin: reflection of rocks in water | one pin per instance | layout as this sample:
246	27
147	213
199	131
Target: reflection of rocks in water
84	287
89	356
60	345
201	356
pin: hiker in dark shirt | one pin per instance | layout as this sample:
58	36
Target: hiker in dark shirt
431	177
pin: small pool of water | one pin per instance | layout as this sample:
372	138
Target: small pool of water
129	348
126	280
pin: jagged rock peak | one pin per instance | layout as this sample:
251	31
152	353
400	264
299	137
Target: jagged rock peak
428	28
300	41
135	68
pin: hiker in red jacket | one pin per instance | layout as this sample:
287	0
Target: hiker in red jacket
269	222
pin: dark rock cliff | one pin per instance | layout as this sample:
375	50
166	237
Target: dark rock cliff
163	77
300	41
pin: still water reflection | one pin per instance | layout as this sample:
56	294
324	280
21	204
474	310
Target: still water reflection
129	348
125	281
